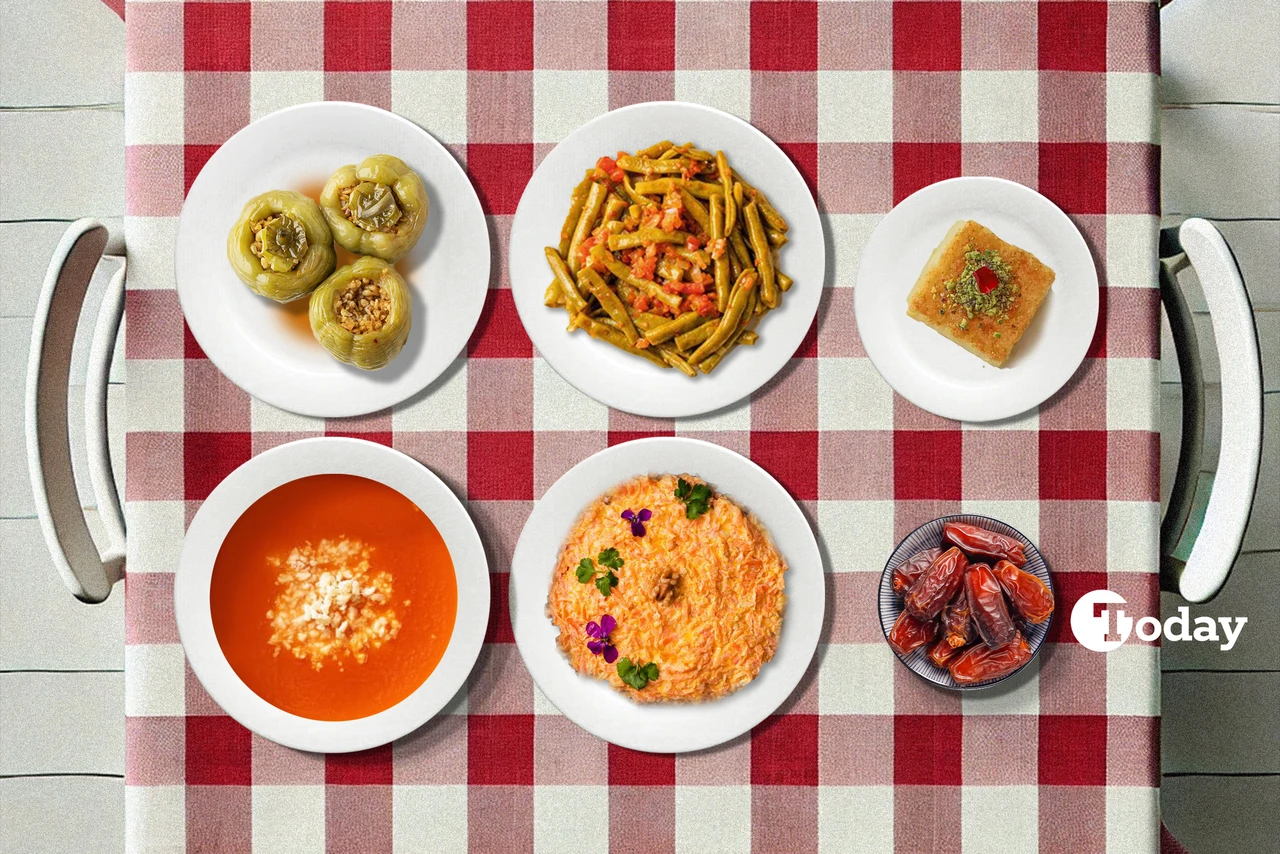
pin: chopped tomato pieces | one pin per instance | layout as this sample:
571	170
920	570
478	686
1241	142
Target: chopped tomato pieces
693	244
641	302
703	305
717	248
608	168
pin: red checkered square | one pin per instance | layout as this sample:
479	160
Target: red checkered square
1073	464
919	164
499	170
193	159
791	457
499	334
642	35
500	36
190	347
365	768
1068	587
1073	750
499	630
499	466
219	752
1074	175
926	750
357	36
500	750
1073	36
216	36
784	751
633	768
784	36
927	464
207	458
805	156
926	36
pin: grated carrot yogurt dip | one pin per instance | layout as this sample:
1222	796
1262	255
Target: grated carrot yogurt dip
702	598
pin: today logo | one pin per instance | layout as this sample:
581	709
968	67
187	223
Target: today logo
1101	627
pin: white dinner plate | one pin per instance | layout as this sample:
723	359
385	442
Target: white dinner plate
591	703
268	350
278	466
939	375
624	381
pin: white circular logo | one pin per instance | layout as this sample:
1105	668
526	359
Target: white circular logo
1091	620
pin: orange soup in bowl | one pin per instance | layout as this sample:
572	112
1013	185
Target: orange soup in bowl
333	597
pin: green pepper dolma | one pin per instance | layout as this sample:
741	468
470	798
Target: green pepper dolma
281	246
362	313
378	208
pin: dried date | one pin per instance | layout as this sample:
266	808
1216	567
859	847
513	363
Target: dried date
980	541
980	663
909	571
909	634
986	602
937	586
1030	596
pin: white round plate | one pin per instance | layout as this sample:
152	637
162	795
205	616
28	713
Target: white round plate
624	381
591	703
253	340
939	375
247	484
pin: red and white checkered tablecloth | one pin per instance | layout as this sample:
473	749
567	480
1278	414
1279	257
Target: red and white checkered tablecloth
872	100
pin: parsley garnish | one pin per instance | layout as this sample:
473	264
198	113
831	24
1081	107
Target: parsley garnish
635	676
605	579
697	499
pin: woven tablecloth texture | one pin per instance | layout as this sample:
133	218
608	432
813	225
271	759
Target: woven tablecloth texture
872	100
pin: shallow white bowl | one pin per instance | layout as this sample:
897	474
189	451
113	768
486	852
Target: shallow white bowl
259	476
246	336
628	382
591	703
939	375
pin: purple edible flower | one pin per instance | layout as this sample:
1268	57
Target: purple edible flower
601	645
637	520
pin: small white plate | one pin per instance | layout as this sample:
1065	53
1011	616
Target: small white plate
939	375
618	379
253	340
260	475
591	703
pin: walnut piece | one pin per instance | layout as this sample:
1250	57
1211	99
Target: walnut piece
664	590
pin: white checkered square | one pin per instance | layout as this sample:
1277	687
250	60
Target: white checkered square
288	819
1023	515
999	106
846	674
570	818
1133	389
429	818
274	90
1133	536
150	395
265	418
999	819
151	240
1129	114
559	406
154	683
163	122
443	406
1133	679
855	820
435	100
1017	695
853	396
1132	250
156	529
1133	820
849	234
722	813
155	818
855	106
564	101
857	534
723	89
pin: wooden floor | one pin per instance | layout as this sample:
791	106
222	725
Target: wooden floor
61	686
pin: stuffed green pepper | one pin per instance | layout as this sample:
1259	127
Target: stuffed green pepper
377	208
281	247
362	313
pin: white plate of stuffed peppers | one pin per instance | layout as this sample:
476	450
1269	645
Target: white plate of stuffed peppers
332	259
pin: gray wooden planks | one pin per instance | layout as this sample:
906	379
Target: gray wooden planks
1220	51
62	815
1222	815
61	723
82	148
15	485
1219	161
1251	592
1263	532
61	52
1220	723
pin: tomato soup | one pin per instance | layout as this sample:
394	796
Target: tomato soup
333	597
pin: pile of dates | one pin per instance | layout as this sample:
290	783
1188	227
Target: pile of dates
973	615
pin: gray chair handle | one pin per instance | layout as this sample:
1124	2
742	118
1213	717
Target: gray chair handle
1205	522
88	573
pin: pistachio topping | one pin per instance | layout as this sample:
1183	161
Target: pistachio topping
280	242
362	306
372	206
971	293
